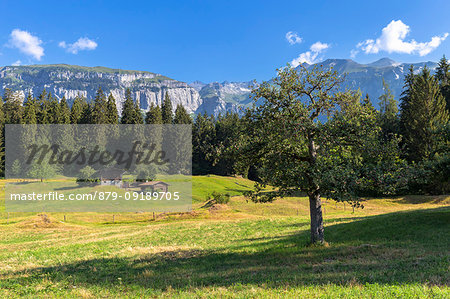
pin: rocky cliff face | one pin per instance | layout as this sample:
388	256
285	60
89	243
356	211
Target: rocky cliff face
197	97
369	77
222	97
70	81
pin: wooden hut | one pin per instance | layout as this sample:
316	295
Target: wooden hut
154	185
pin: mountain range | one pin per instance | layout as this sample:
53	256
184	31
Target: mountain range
197	97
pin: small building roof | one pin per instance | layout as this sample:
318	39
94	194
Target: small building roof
153	183
110	173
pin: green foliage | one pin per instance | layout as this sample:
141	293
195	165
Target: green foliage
423	111
388	112
16	169
203	140
166	110
42	171
99	113
181	116
285	137
153	115
87	175
30	110
219	198
12	107
145	173
77	110
111	110
64	117
130	112
443	76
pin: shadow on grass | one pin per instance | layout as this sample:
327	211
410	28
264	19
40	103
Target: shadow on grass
397	248
420	199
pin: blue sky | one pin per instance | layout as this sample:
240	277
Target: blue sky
220	40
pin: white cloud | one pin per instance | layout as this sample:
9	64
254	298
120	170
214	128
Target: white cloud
17	63
319	47
293	38
311	56
353	53
83	43
26	43
392	40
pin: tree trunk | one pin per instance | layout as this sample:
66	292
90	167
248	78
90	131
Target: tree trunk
315	211
315	204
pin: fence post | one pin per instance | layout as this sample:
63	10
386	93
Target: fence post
113	219
64	218
7	221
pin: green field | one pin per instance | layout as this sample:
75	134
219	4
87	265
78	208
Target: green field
396	247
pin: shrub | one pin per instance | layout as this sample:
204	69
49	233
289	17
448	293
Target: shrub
220	198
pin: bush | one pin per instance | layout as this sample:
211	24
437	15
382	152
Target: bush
431	176
87	176
219	198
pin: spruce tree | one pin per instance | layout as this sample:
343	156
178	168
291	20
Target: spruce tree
50	109
153	115
422	114
139	119
43	108
203	138
166	110
86	115
12	107
30	110
111	110
2	139
128	109
443	75
181	116
78	106
64	111
388	111
99	110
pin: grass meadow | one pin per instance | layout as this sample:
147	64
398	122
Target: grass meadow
394	247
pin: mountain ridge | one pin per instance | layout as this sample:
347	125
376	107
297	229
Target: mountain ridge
197	97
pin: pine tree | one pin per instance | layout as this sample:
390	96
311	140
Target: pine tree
30	110
153	115
181	116
423	112
166	110
99	113
111	110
